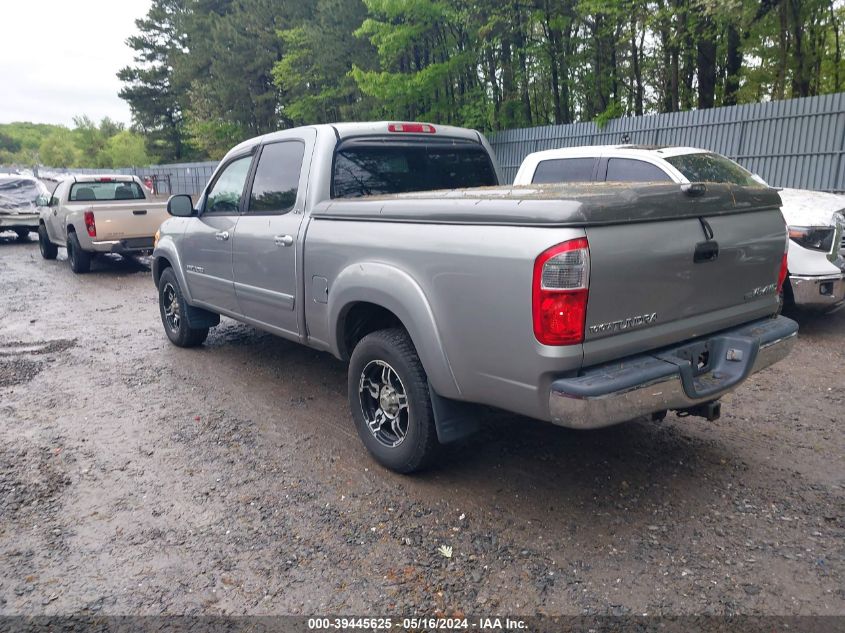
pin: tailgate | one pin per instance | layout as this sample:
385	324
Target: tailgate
127	220
656	283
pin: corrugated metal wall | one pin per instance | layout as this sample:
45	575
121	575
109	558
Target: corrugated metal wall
795	143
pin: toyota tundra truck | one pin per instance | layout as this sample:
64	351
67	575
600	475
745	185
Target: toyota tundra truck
394	247
91	215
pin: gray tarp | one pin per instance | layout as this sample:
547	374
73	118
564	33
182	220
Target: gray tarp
18	194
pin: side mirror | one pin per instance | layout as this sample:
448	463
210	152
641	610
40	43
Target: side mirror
180	206
42	201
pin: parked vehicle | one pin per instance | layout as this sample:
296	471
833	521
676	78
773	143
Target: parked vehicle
18	203
583	306
98	214
816	261
816	248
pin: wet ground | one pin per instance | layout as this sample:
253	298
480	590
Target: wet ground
139	478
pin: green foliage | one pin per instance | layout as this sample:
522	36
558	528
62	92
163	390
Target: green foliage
59	150
126	149
209	73
86	145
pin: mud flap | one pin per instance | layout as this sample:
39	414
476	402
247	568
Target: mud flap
453	419
199	318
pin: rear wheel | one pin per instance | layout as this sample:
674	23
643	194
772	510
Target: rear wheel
80	261
47	248
23	234
390	401
173	311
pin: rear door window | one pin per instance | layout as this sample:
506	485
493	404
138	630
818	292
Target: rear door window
632	170
276	179
373	167
565	170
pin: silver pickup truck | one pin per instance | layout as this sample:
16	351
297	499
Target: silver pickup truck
581	305
90	215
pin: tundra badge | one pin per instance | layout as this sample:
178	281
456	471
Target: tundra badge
625	324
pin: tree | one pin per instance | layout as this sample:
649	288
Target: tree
59	150
126	149
149	87
314	79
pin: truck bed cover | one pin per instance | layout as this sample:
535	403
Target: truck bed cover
557	205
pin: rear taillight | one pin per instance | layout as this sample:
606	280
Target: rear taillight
560	292
783	272
411	128
90	224
783	264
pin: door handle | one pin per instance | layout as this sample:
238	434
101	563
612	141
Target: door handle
283	240
222	236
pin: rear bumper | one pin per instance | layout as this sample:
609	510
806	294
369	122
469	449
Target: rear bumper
124	247
22	221
667	379
818	291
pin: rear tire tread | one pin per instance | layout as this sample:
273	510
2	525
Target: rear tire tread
48	249
80	260
395	346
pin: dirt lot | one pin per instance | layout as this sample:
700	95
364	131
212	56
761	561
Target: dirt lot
139	478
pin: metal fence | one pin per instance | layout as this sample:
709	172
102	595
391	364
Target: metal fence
167	179
795	143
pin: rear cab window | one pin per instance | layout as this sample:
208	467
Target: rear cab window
377	166
709	167
105	191
565	170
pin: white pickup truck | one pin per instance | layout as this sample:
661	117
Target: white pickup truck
98	214
816	220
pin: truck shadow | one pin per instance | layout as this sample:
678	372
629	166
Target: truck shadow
515	465
9	238
109	264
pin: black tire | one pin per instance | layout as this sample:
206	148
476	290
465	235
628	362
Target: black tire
80	261
47	248
23	235
171	303
418	447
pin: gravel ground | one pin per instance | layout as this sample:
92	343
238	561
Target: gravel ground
139	478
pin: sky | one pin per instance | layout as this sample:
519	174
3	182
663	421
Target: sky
59	58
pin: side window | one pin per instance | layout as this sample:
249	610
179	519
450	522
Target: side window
277	178
565	170
630	170
227	191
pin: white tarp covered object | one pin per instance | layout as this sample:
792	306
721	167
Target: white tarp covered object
19	193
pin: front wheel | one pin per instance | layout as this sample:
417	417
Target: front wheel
173	311
80	261
390	401
47	248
